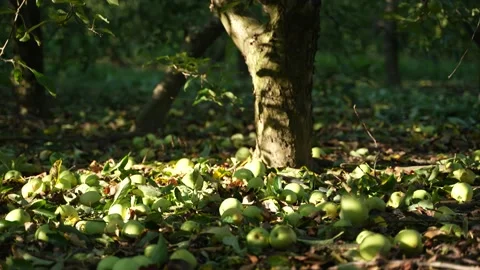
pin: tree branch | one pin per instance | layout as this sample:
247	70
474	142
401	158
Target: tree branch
239	25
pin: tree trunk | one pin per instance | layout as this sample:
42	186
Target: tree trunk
31	96
280	56
391	46
153	115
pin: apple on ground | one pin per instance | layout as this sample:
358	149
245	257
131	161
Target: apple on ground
185	255
282	237
409	241
258	238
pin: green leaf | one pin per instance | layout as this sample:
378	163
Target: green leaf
17	75
160	252
105	30
6	11
113	2
124	188
25	38
45	81
102	18
45	213
149	191
38	2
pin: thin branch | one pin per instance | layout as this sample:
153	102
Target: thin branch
17	13
370	135
466	51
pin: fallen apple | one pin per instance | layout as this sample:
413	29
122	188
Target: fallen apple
282	237
297	188
421	195
90	198
190	226
137	179
185	255
317	152
409	241
233	215
307	209
258	238
451	229
228	204
114	225
18	215
12	175
289	196
140	209
70	177
242	154
183	165
255	183
329	208
293	218
90	179
257	167
462	192
243	174
91	227
464	175
107	263
126	264
118	209
42	232
376	203
362	235
396	199
373	245
317	197
253	212
132	228
142	260
353	209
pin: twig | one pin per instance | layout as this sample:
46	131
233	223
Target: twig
465	53
2	49
369	134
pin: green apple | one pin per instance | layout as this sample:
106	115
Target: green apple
420	195
118	209
307	209
242	154
126	264
253	212
257	167
293	218
297	188
362	235
142	260
18	215
132	228
317	197
114	225
282	237
90	198
376	203
66	211
396	199
243	174
228	204
233	215
42	232
255	183
12	175
193	180
462	192
374	245
190	226
107	263
317	152
138	179
185	255
444	213
90	179
91	226
258	238
70	177
464	175
289	196
409	241
183	165
150	250
141	209
138	142
353	209
330	209
32	188
63	184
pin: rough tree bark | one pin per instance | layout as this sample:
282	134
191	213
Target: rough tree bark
31	96
391	46
153	115
280	55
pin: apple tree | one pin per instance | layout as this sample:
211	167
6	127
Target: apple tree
279	45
